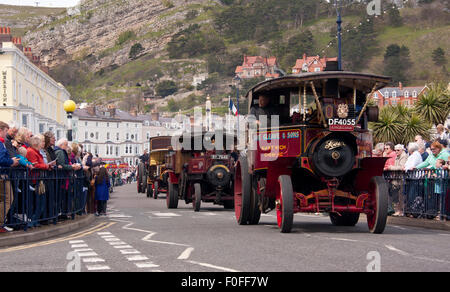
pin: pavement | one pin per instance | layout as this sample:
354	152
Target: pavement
45	232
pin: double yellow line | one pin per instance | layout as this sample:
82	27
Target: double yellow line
84	233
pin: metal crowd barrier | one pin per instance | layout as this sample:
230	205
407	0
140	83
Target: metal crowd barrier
29	198
425	193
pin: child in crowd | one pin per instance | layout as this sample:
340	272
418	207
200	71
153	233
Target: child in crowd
438	175
101	191
23	161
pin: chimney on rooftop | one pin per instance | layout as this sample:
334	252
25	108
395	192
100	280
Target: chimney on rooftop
91	110
155	116
400	85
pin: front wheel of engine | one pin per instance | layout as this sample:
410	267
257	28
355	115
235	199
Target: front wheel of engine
285	204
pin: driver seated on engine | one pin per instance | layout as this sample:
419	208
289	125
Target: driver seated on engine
265	108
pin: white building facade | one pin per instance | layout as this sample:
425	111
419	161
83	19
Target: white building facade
29	96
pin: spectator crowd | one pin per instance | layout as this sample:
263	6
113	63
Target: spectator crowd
25	153
428	159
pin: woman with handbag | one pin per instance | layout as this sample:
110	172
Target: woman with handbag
36	199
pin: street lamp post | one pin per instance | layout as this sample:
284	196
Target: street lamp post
339	33
69	107
237	81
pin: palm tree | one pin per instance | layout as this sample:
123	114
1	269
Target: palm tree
399	124
434	105
414	125
388	127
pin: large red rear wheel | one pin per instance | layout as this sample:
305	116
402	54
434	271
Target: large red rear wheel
242	191
285	204
378	205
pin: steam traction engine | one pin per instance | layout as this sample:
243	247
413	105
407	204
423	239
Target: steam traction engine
319	158
202	175
157	174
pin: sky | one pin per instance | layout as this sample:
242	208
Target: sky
42	3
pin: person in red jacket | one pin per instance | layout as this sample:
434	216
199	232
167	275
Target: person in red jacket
37	200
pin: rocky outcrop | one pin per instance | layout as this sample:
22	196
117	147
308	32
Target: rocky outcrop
94	29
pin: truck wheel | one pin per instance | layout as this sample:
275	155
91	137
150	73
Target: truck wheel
172	196
242	191
155	191
149	191
285	204
378	205
255	212
346	219
196	202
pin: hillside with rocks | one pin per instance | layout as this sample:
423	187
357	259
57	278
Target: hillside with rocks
121	51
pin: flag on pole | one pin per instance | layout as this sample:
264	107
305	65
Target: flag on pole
232	107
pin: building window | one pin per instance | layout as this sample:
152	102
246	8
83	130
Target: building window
117	151
107	136
117	136
406	94
375	95
414	93
386	94
25	121
41	128
128	136
85	135
394	94
96	135
86	123
317	70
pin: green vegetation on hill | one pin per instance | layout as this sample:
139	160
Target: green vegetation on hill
213	38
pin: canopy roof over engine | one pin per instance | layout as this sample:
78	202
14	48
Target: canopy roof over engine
160	143
331	84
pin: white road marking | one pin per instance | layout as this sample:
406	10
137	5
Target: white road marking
344	239
93	260
76	241
112	239
398	227
404	253
186	253
146	265
213	266
117	243
87	254
123	246
97	268
118	216
129	251
166	214
82	249
137	258
79	245
103	233
108	236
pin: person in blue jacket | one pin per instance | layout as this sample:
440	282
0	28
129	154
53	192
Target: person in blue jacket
101	191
